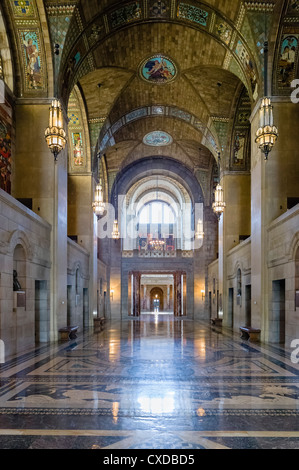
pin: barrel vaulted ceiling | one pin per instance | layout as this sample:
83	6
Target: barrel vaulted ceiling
215	47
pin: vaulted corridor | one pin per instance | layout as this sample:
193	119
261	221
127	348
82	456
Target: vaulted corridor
149	383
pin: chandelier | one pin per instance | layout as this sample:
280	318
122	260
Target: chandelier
98	204
55	134
267	134
115	233
219	205
199	235
157	244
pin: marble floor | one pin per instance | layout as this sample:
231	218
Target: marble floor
151	383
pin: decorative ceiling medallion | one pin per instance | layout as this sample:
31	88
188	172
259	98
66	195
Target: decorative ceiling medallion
158	69
157	139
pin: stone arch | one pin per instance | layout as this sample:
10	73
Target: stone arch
133	173
19	268
19	238
157	293
294	246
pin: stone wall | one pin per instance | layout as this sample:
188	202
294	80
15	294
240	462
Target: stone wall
78	311
211	295
25	241
283	244
279	323
239	286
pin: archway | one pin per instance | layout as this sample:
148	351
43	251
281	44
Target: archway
157	299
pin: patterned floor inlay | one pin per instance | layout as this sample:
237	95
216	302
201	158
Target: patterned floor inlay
145	384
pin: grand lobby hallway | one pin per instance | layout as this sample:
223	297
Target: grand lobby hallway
154	382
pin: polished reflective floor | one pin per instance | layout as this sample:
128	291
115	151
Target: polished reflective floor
151	383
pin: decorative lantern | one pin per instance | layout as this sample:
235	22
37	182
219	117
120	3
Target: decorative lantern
199	235
55	134
98	204
115	233
219	204
267	134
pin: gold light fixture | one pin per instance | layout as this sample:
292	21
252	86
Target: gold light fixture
219	205
157	244
98	204
115	232
199	235
55	134
267	134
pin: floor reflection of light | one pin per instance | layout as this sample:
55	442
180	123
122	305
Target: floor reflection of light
114	350
157	404
200	348
201	412
115	410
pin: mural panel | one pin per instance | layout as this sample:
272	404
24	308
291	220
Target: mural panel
23	8
5	150
158	69
287	60
77	148
157	139
193	14
248	67
77	136
32	60
126	14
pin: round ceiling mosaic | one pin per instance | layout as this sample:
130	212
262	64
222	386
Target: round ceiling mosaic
157	139
158	69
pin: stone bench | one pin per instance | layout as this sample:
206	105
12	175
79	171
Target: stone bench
252	334
99	323
68	333
216	321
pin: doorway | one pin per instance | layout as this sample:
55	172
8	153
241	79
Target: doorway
85	308
230	318
41	312
277	326
248	305
157	300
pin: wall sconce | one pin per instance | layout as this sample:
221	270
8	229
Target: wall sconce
111	295
203	293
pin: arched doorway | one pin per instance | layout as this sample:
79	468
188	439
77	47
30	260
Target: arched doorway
157	299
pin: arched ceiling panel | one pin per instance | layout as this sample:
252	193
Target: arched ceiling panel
101	88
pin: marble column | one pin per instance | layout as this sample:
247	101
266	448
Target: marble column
136	297
178	294
235	222
38	178
272	183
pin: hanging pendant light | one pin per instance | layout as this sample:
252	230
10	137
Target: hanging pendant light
55	134
98	204
267	134
199	235
219	205
115	232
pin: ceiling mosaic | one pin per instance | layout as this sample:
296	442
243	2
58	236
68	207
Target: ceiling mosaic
158	69
157	139
199	16
135	60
